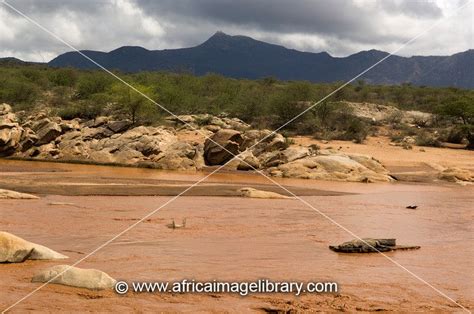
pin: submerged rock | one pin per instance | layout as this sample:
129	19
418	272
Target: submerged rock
92	279
254	193
14	249
370	246
12	195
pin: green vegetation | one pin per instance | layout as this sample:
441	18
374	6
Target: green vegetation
461	110
265	103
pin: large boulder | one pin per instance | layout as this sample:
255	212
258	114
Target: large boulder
179	156
48	151
222	146
119	126
68	126
92	279
28	139
97	122
454	174
10	137
333	166
14	249
5	109
275	158
248	161
263	141
96	133
48	133
10	131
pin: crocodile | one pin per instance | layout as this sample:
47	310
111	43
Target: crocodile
370	245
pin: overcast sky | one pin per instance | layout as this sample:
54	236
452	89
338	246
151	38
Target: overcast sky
340	27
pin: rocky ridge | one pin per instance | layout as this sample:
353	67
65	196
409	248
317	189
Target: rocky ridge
108	141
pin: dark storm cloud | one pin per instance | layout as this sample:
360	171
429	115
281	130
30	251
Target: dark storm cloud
340	27
417	8
278	15
339	18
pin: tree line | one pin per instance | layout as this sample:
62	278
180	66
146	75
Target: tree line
266	102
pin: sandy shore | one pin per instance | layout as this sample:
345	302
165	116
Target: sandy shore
237	239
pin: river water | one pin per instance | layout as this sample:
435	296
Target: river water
238	239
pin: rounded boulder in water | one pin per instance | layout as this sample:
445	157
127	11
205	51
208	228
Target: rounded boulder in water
92	279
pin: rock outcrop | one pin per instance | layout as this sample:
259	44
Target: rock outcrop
92	279
384	113
14	249
456	175
102	140
331	165
209	122
109	141
10	131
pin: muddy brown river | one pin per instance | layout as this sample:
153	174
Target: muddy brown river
230	238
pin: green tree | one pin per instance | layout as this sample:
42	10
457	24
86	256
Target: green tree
93	83
461	110
132	102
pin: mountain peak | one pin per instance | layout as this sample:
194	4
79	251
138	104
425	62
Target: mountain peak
244	57
219	40
220	34
223	41
129	49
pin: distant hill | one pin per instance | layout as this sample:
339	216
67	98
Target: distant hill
10	61
244	57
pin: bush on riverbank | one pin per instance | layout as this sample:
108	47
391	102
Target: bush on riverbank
264	103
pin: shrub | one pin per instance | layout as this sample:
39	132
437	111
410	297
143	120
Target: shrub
82	109
64	77
421	121
427	139
17	91
92	84
456	135
357	131
395	118
133	104
203	120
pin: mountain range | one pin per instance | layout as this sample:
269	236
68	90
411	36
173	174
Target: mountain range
244	57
